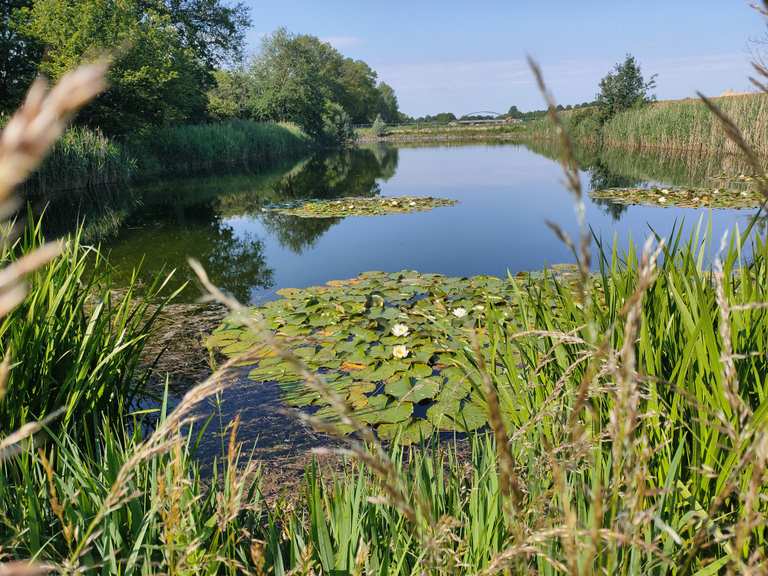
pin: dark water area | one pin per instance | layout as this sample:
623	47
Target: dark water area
505	195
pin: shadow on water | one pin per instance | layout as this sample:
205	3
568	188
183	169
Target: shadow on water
616	168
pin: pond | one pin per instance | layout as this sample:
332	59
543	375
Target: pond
504	195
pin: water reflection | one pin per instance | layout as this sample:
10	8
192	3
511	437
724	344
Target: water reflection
199	217
505	193
614	168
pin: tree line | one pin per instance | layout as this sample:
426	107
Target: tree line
181	62
299	78
623	88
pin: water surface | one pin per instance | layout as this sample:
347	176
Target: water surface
505	195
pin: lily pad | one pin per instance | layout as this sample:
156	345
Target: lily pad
680	197
380	370
361	206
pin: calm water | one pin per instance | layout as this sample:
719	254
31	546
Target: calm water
505	194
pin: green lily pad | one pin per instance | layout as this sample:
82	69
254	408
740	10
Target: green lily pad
360	206
384	342
715	197
412	433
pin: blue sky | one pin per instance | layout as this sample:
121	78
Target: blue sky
468	56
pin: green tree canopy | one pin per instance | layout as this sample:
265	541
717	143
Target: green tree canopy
301	79
163	53
624	88
20	55
389	108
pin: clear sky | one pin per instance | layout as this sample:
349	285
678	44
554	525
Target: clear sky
468	56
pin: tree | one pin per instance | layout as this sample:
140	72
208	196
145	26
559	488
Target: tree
337	128
21	55
379	126
295	77
624	88
388	108
163	52
230	96
288	83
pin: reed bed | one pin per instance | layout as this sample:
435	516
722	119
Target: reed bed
689	125
199	149
85	159
673	126
82	159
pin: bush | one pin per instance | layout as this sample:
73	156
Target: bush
379	127
337	128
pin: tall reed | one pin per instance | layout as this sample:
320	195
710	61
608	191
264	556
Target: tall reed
198	149
76	345
688	125
82	159
672	125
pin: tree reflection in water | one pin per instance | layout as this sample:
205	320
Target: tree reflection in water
353	172
170	221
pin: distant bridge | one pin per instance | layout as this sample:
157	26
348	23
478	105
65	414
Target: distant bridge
483	113
497	118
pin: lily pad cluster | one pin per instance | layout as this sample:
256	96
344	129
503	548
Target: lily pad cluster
682	197
391	344
361	206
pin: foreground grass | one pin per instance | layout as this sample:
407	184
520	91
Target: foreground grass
628	435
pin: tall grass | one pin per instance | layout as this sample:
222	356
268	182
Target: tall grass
633	446
196	149
73	344
82	159
85	159
673	125
688	125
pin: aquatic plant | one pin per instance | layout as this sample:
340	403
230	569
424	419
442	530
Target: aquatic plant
355	206
682	197
390	344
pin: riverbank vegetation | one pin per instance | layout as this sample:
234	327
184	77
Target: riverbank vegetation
625	115
180	99
86	159
626	419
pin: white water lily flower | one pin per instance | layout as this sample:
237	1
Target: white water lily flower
400	351
479	308
459	312
413	204
662	199
400	330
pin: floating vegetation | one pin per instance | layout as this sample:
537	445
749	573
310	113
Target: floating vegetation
682	197
392	344
361	206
